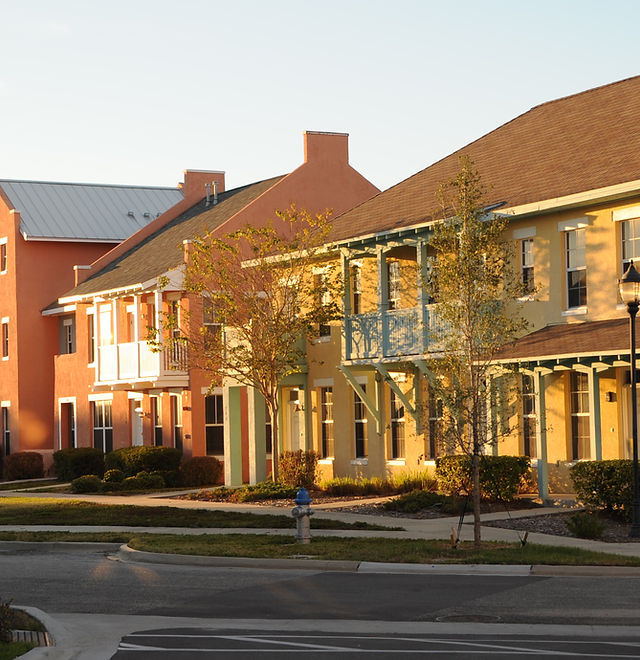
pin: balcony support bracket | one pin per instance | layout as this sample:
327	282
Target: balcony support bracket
368	402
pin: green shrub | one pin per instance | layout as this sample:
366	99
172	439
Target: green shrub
132	460
298	468
500	476
143	481
113	476
265	490
23	465
585	525
75	462
407	482
349	487
89	483
171	478
418	500
201	471
604	484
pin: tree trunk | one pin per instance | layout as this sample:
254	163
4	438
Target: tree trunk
275	454
475	466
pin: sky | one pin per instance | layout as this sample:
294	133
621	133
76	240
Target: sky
136	92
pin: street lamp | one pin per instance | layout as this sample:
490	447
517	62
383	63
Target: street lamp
629	286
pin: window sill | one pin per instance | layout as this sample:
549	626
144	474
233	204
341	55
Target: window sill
5	359
575	311
321	340
526	299
360	461
430	462
397	461
326	461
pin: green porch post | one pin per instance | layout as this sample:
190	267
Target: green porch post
541	435
257	437
232	436
595	426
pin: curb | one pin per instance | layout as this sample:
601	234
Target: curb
126	553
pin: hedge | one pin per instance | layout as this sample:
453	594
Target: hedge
69	464
500	476
298	468
201	471
23	465
132	460
604	484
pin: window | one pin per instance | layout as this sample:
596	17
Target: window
177	346
3	256
67	425
102	425
212	326
268	429
156	419
5	339
67	335
393	283
214	424
360	424
528	417
397	426
176	417
576	268
526	264
91	333
326	422
630	242
435	425
6	431
579	415
356	289
324	298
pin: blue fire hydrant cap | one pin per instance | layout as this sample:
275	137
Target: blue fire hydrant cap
302	498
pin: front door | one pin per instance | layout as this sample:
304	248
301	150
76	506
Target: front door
135	415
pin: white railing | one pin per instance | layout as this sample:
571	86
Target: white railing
136	360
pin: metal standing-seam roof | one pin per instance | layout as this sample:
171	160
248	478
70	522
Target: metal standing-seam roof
85	211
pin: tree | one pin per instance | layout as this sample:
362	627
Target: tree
263	289
475	286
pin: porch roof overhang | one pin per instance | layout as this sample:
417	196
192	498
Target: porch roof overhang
599	344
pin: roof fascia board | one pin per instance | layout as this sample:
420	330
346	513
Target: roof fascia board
607	193
571	357
108	293
58	239
59	310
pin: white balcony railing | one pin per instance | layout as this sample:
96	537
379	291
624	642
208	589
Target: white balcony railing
133	361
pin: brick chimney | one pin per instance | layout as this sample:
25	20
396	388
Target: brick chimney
195	183
327	147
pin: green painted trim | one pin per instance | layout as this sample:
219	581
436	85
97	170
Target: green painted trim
371	407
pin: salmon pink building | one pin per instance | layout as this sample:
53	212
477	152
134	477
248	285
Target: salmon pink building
47	229
113	390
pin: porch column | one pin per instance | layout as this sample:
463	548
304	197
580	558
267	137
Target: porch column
232	436
383	298
595	430
423	297
346	301
541	435
257	437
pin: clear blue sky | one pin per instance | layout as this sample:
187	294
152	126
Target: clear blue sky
135	92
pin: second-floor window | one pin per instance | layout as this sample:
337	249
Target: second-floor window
91	332
356	289
5	339
526	264
393	284
67	335
324	298
630	230
576	265
3	256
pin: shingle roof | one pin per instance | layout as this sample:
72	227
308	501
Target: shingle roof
162	250
573	144
86	212
589	338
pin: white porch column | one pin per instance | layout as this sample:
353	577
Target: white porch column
232	436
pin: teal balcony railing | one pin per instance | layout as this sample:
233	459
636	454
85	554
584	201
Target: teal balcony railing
391	333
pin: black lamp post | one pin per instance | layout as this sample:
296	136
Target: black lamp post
629	286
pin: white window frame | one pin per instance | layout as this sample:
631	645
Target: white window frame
4	256
4	338
568	252
5	421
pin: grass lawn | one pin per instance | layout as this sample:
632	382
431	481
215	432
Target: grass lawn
38	511
14	649
349	549
47	484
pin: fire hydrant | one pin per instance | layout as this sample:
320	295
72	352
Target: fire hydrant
301	513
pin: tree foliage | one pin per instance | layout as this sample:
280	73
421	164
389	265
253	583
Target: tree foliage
259	292
475	286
